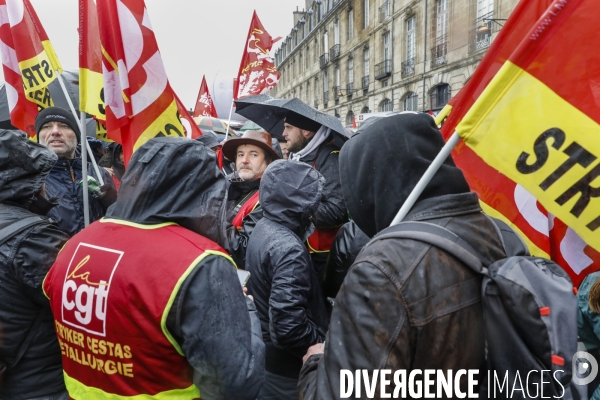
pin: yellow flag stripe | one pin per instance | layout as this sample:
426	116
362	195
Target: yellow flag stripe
522	128
37	72
167	124
52	56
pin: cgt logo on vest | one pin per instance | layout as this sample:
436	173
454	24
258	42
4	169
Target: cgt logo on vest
86	287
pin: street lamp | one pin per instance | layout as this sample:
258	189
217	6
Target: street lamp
484	28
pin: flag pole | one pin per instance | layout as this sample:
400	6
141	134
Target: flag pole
85	142
229	121
426	178
86	200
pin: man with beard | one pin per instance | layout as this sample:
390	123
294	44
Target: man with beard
311	143
57	129
164	314
252	153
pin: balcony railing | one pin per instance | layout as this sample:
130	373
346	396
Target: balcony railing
365	82
383	69
325	98
324	60
334	52
384	11
336	92
481	36
408	67
439	52
349	89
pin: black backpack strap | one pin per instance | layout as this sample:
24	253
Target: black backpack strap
28	339
17	227
437	236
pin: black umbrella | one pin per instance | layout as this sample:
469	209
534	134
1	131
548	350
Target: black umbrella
71	80
270	112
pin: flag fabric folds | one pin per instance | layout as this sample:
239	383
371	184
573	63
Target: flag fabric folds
139	102
204	104
91	83
537	125
29	62
257	73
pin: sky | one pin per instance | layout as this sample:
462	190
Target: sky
195	38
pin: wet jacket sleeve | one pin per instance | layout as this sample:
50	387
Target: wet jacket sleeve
238	240
367	305
109	190
219	332
289	324
332	210
35	252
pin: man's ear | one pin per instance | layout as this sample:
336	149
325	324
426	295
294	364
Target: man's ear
307	134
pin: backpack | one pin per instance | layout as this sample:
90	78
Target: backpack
530	315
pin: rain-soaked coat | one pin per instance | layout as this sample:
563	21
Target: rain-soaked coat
24	262
63	183
404	304
177	180
284	283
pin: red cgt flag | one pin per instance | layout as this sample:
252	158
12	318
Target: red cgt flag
139	101
500	196
22	111
257	73
204	104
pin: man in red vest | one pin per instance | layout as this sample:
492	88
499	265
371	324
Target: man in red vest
310	142
252	153
146	302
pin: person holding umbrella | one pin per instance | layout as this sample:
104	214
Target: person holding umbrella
312	143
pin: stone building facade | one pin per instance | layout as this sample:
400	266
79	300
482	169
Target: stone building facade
347	57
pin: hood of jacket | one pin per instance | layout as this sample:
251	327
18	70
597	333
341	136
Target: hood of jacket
24	166
173	180
290	193
382	163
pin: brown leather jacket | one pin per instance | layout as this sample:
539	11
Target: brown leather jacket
407	305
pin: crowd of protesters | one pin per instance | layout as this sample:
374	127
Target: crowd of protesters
146	301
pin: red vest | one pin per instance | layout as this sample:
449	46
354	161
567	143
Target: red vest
111	289
246	209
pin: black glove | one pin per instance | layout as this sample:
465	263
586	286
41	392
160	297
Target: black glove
109	195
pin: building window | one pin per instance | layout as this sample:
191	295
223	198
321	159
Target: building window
311	21
411	38
300	65
366	13
350	119
386	105
365	110
307	56
336	32
350	24
350	70
440	95
366	59
325	82
442	18
411	102
386	46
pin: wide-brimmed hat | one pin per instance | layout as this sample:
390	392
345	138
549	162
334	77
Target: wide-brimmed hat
257	138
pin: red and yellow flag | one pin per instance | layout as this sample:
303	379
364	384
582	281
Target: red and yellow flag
537	123
257	73
39	28
204	103
139	101
91	83
22	111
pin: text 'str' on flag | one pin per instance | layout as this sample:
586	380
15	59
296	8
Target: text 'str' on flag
538	121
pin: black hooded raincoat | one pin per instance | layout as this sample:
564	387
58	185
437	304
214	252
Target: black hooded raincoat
178	180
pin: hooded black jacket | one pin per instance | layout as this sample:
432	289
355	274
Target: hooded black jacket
63	184
24	262
284	283
238	193
404	304
177	180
